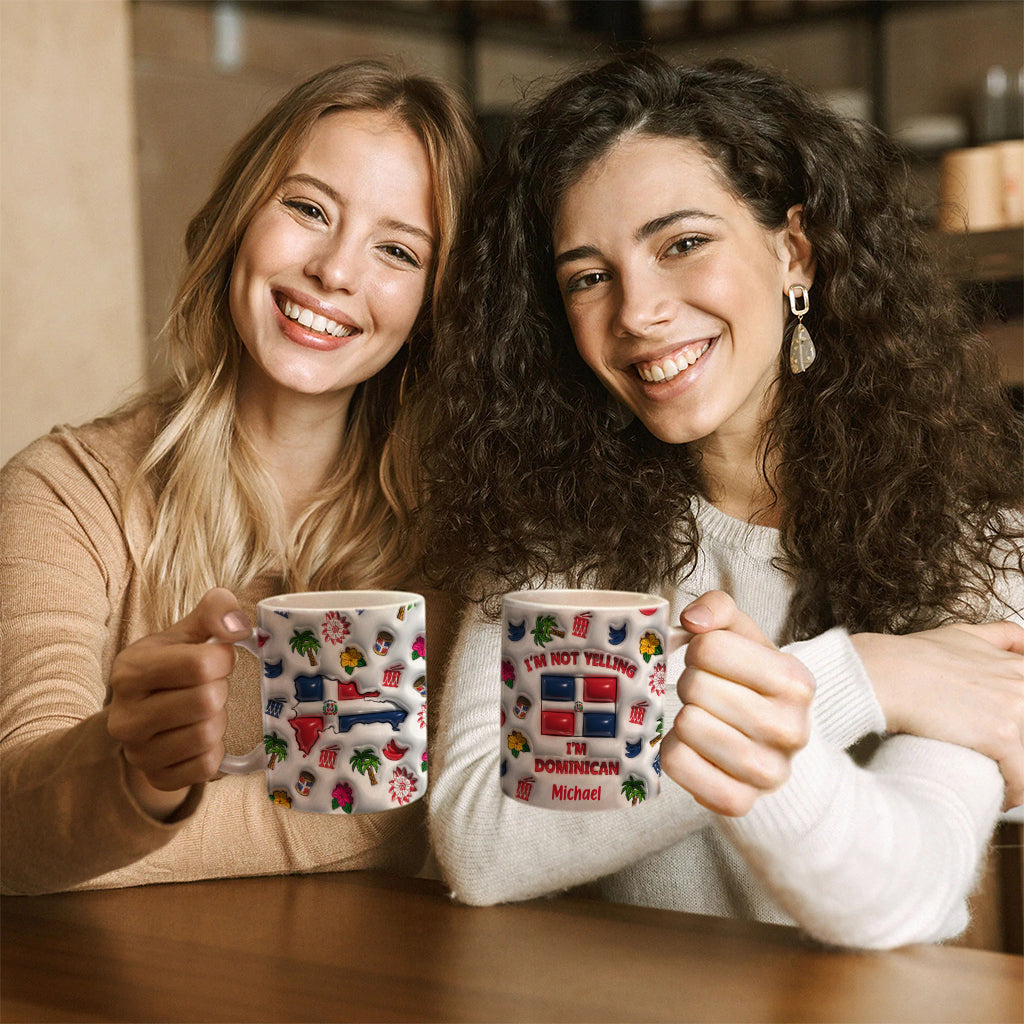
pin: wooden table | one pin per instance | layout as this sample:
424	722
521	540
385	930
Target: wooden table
366	947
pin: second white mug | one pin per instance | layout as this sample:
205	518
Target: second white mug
582	678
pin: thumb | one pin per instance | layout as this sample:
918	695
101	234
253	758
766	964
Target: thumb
218	616
717	610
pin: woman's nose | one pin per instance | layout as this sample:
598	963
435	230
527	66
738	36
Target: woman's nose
644	305
335	264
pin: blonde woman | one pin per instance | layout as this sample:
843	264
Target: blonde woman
273	460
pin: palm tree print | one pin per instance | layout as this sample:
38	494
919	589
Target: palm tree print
275	747
634	790
365	761
305	643
656	738
545	629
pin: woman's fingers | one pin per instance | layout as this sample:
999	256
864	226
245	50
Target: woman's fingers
169	691
1006	636
781	722
717	610
136	722
761	765
217	616
151	665
760	667
746	709
707	783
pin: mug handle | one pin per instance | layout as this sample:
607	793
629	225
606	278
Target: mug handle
243	764
677	637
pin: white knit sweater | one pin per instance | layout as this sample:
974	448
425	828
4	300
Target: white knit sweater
875	856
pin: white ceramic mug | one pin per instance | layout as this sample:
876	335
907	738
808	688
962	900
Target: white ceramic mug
344	696
582	680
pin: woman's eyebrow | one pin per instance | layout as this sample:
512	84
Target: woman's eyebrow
642	234
652	227
409	229
322	186
581	252
339	200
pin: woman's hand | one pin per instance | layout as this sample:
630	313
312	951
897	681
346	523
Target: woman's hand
167	705
746	710
960	683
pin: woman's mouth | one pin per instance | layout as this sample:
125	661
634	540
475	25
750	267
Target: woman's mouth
657	371
314	321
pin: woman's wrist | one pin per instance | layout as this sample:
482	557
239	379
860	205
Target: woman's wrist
160	804
875	653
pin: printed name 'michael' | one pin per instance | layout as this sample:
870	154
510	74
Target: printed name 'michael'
557	766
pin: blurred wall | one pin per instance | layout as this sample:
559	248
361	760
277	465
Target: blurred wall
71	338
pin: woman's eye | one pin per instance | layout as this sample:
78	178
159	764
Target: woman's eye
585	281
309	210
399	252
682	246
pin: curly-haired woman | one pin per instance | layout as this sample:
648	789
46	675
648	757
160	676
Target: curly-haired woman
274	460
699	346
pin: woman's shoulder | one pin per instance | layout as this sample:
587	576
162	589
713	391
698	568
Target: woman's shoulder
111	445
72	463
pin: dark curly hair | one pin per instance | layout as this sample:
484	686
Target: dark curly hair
898	455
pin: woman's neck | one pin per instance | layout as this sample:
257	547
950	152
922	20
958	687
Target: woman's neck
736	479
298	439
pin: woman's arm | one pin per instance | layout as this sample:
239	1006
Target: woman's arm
880	856
71	817
69	813
492	848
874	857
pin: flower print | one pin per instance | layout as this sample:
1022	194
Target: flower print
341	796
335	628
402	786
650	645
658	679
517	743
423	762
419	648
351	659
508	673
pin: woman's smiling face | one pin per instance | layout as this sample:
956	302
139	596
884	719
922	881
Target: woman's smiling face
332	270
673	290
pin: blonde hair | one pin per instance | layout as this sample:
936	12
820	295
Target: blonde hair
217	517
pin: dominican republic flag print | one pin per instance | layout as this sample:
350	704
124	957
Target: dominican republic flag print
578	705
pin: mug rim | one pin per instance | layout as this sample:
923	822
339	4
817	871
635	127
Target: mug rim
566	597
330	600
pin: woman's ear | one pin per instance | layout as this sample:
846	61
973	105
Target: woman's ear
801	253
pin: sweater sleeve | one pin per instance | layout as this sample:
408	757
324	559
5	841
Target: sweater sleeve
62	558
879	856
493	849
845	707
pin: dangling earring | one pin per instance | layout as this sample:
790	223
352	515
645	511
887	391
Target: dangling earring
801	348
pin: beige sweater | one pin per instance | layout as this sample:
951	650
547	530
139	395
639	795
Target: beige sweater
71	600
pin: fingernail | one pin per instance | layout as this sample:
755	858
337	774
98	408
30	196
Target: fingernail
699	615
236	622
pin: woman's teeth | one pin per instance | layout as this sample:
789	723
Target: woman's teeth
314	321
669	367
